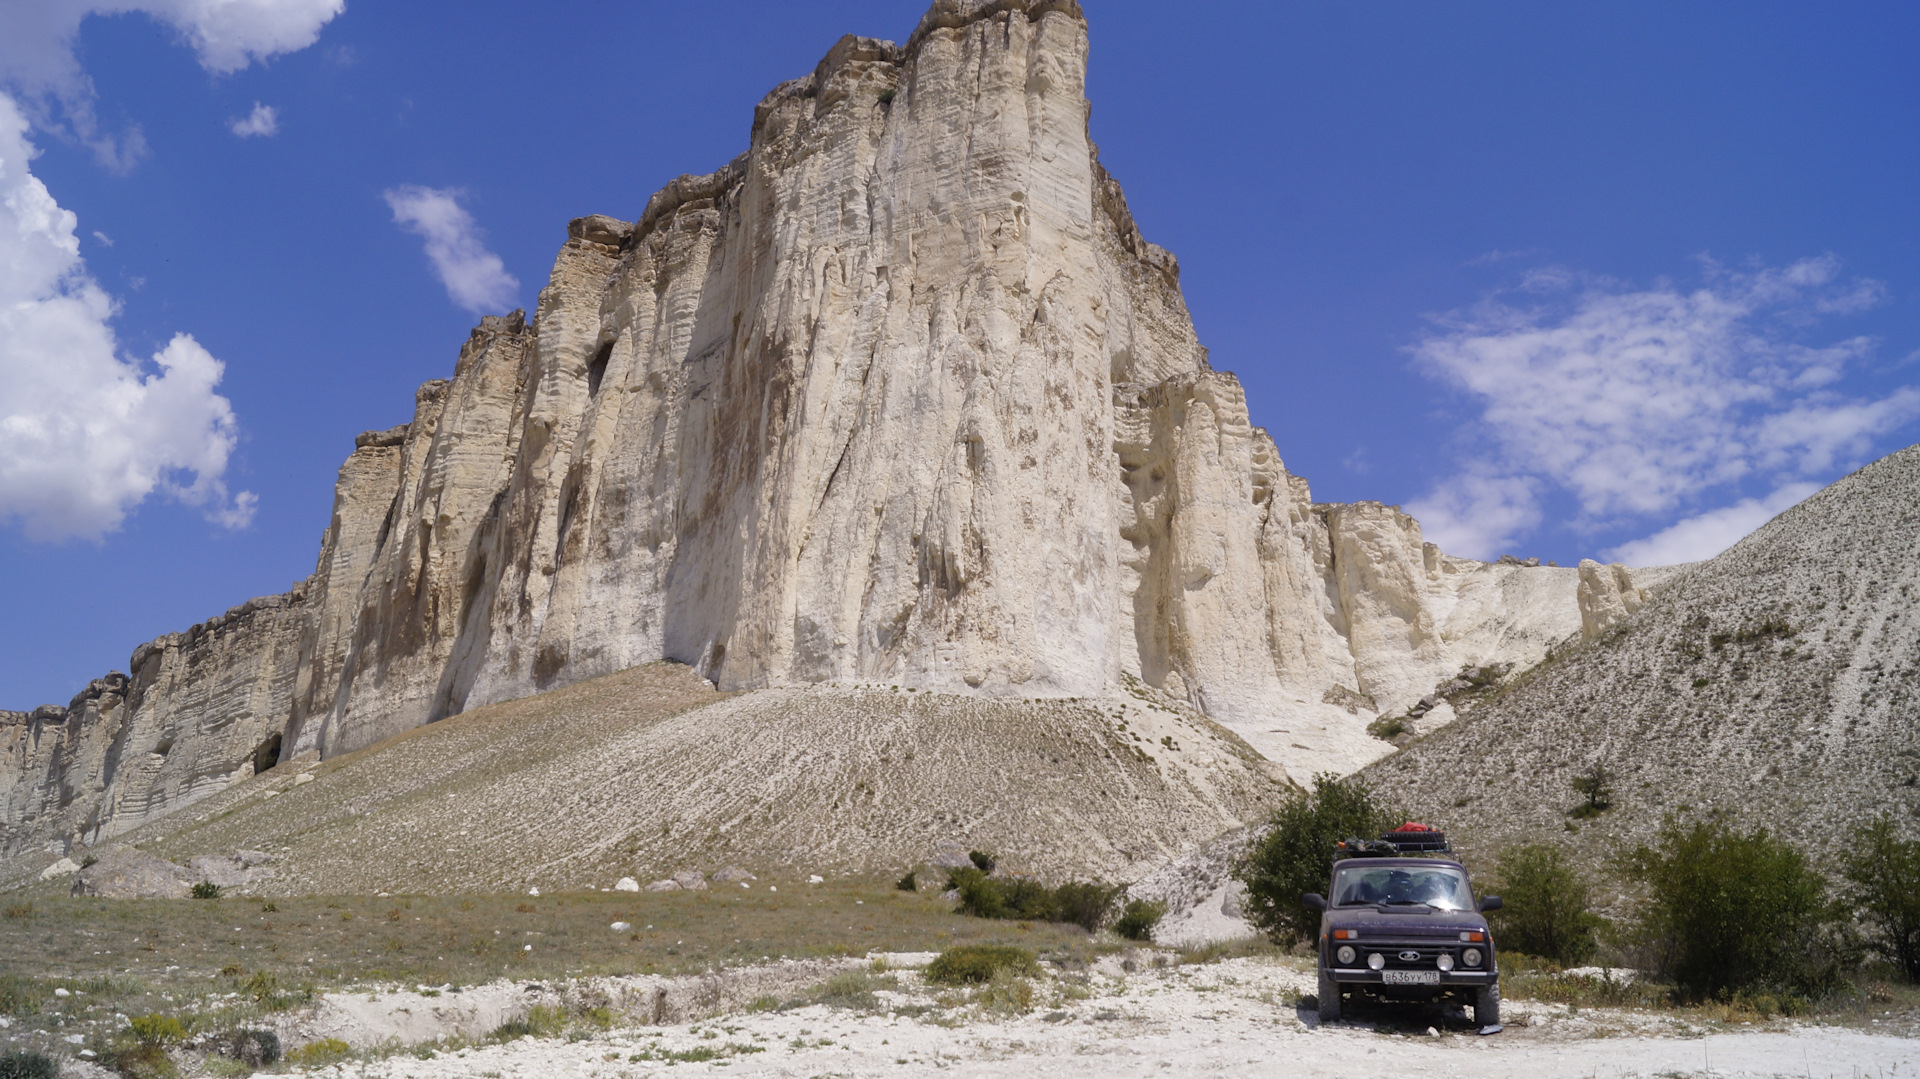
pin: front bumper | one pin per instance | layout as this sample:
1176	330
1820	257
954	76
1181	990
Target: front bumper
1369	976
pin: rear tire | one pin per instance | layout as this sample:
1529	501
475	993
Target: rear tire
1329	999
1486	1005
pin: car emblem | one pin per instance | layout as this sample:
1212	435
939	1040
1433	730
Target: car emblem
1409	957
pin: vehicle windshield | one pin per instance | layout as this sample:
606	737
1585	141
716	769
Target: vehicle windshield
1439	887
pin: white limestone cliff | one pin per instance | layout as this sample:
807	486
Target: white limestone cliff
899	395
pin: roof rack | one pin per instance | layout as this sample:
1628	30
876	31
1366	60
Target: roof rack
1411	838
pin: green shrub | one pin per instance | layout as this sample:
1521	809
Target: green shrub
1596	785
1296	853
976	964
206	889
324	1051
982	861
1084	903
144	1062
1730	913
542	1021
1546	911
1883	874
1021	899
23	1065
908	883
1387	728
1138	919
157	1029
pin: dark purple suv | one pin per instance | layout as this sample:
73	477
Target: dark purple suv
1405	928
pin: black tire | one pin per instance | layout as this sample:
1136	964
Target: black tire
1486	1005
1329	999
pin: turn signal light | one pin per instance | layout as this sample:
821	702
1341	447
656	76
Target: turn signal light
1473	937
1346	934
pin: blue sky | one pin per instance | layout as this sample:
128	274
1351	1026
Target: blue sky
1567	280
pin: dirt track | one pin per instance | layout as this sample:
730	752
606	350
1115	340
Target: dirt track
1233	1018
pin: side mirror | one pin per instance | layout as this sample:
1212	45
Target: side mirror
1491	902
1314	901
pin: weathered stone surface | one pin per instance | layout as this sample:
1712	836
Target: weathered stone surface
1607	596
128	873
900	395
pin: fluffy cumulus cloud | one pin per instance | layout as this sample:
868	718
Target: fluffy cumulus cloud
86	434
37	56
1638	403
263	121
476	279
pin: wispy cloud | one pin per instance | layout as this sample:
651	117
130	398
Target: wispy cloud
262	122
1639	402
37	57
1707	534
475	277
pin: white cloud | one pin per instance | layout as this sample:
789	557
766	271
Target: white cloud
86	435
476	279
1707	534
1637	403
37	59
264	120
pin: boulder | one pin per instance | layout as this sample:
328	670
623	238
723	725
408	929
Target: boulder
664	886
229	870
128	873
691	880
627	884
60	869
733	874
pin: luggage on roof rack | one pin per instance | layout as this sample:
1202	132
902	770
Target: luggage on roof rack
1411	838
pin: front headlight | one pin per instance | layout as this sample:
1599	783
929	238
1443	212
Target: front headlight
1445	962
1345	954
1471	957
1376	961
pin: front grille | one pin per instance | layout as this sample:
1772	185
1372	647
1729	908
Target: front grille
1424	957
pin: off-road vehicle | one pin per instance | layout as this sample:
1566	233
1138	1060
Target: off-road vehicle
1399	922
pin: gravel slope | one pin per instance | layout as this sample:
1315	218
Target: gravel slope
1777	682
648	772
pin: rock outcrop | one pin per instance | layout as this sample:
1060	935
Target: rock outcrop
1607	596
900	395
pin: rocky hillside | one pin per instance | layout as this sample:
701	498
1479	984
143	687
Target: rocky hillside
1777	682
649	773
899	395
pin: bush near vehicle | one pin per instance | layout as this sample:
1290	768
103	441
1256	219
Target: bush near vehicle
1292	857
1883	876
1731	913
1547	906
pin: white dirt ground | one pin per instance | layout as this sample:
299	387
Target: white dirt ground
1230	1018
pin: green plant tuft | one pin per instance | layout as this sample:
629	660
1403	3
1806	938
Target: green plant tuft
982	861
908	883
27	1065
976	964
206	889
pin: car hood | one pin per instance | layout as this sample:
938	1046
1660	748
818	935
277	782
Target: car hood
1406	921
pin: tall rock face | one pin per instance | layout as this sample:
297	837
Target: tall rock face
899	395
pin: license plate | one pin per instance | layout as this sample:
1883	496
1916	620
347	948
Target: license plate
1410	977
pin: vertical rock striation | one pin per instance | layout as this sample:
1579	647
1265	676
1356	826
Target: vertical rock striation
899	395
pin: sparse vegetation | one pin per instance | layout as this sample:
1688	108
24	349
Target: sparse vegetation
17	911
982	861
1387	728
1883	876
1139	918
976	964
1731	914
206	889
908	883
1547	910
1295	855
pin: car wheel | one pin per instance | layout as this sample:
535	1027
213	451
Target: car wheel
1486	1005
1329	999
